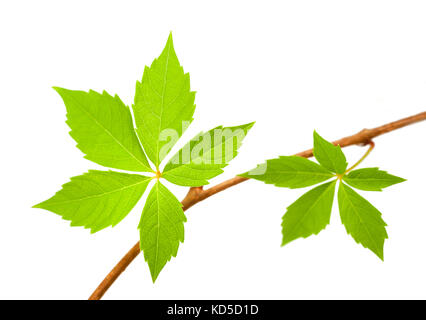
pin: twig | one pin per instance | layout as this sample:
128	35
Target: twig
198	194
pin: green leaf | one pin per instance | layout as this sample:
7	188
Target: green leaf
309	214
161	228
329	155
164	104
103	128
371	179
290	172
362	221
205	155
97	199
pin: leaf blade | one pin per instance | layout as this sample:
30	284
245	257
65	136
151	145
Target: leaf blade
164	104
204	156
362	220
309	214
97	199
289	172
328	155
111	143
371	179
161	228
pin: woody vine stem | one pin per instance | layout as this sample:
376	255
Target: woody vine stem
195	195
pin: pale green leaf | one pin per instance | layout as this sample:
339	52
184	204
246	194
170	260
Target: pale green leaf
361	220
205	155
290	172
103	128
328	155
371	179
164	104
161	228
97	199
309	214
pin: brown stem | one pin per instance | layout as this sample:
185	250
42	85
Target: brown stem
198	194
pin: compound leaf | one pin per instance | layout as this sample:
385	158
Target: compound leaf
309	214
161	228
329	155
205	155
164	104
289	172
97	199
371	179
362	220
103	128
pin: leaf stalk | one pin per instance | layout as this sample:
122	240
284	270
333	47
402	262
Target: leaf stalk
372	145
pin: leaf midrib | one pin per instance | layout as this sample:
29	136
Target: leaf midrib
328	174
157	153
370	179
158	229
331	160
98	195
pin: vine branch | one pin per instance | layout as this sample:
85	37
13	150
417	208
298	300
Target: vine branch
198	194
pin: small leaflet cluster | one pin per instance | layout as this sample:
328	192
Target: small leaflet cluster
103	128
311	213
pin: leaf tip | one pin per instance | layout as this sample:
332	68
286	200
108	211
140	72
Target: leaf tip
400	180
250	125
94	230
61	91
317	136
58	89
258	171
285	241
154	274
380	255
170	40
244	175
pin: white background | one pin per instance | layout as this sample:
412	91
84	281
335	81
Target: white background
292	66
